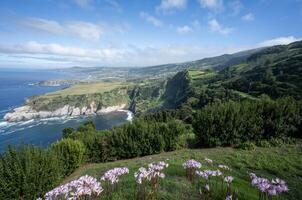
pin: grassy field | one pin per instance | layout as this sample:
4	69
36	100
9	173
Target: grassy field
198	74
283	162
89	88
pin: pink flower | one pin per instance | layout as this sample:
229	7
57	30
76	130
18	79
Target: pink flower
191	164
113	175
153	171
84	186
228	179
224	167
274	187
209	161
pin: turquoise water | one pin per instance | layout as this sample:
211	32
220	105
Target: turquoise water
15	86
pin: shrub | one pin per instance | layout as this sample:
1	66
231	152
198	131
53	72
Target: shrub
247	146
28	172
263	143
276	142
231	123
70	153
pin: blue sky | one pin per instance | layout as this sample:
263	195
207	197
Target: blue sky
64	33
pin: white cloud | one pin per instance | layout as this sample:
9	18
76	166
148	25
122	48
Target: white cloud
184	29
34	47
58	55
211	4
115	5
43	25
84	3
81	29
122	56
248	17
215	26
85	30
151	19
168	5
236	6
278	41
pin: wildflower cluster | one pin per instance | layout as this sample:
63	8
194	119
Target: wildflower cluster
153	171
112	176
191	166
208	173
150	176
273	188
85	186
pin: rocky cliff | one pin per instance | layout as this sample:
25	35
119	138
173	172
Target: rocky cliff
27	112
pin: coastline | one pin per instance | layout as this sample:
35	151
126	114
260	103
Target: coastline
27	113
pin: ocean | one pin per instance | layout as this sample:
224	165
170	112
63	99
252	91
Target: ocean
18	84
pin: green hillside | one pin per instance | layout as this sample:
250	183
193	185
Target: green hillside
283	162
275	71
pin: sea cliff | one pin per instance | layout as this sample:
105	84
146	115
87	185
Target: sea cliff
26	112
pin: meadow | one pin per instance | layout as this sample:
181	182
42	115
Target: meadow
85	88
283	162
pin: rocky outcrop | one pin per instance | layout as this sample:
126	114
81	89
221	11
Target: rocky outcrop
25	113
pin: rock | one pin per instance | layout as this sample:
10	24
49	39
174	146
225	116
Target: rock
111	109
27	113
76	112
83	110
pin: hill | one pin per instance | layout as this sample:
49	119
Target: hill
138	74
283	162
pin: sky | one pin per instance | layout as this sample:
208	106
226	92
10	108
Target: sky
118	33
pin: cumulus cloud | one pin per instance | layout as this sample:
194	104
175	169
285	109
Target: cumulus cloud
211	4
184	29
279	41
81	29
151	19
168	5
215	26
248	17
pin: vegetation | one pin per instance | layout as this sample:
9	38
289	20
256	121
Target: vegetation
253	102
70	154
102	98
283	162
28	172
232	123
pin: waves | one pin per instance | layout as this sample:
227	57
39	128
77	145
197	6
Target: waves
129	114
11	127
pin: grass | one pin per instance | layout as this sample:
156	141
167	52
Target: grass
283	162
87	88
239	67
198	74
245	95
